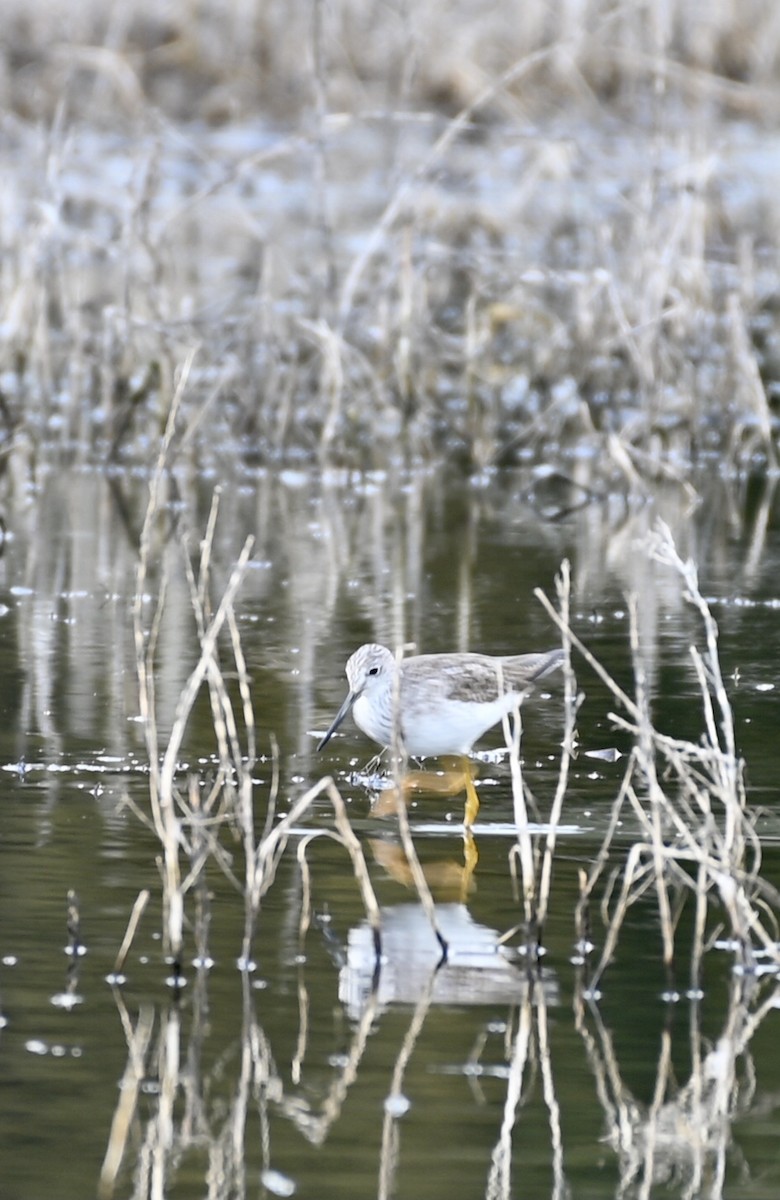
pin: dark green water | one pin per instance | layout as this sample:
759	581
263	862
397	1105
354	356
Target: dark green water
285	1069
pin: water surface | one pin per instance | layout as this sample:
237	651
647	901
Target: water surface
295	1067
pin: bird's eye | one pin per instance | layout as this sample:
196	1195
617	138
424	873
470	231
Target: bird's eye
373	670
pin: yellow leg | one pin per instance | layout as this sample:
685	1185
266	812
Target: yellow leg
449	782
472	799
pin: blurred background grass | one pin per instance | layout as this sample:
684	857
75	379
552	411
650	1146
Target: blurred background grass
217	60
395	233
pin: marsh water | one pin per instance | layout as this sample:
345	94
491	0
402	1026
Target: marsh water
412	1088
426	300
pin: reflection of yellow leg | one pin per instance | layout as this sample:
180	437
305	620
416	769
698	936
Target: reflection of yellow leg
434	783
447	880
447	782
470	860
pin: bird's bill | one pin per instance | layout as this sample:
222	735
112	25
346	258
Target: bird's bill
339	717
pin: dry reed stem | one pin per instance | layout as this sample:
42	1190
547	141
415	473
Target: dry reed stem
418	875
171	839
388	1155
563	590
162	771
304	920
399	759
222	714
657	798
687	1127
523	849
269	852
129	1089
160	1135
141	901
145	652
316	1128
244	691
499	1183
205	663
536	875
163	815
602	858
705	806
301	1045
552	1103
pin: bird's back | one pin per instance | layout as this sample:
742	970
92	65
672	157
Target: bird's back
473	677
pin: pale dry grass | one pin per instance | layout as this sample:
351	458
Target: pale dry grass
444	232
219	58
189	814
695	844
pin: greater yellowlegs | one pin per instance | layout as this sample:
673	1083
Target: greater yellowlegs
437	703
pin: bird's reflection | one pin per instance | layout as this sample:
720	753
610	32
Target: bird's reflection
478	969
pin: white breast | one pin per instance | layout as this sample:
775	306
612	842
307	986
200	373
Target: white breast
374	718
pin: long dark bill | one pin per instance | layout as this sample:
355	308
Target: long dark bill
339	717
